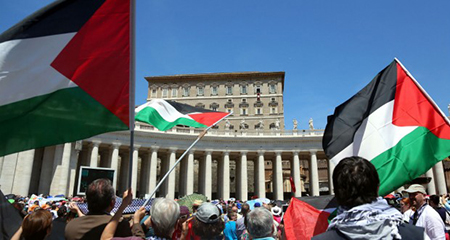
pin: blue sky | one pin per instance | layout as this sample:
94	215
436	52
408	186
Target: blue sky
328	49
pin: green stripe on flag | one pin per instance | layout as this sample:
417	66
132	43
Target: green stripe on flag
151	116
63	116
411	157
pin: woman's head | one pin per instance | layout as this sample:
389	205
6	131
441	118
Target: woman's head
37	224
405	204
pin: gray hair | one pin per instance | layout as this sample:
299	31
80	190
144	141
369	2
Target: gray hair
164	215
259	223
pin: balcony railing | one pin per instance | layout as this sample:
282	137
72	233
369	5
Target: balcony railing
234	132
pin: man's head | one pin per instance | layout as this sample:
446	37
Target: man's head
164	215
259	223
100	196
207	222
355	182
417	195
434	201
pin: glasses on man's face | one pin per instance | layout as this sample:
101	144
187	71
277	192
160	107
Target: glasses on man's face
184	217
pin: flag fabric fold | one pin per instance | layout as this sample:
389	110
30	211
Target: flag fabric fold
307	218
65	74
165	114
394	124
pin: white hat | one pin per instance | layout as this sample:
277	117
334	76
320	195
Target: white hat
276	211
416	188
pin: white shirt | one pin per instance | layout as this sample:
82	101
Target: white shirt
432	222
407	215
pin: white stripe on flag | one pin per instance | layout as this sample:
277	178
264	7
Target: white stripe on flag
25	70
375	135
169	113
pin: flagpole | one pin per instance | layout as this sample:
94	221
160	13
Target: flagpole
132	87
423	90
200	136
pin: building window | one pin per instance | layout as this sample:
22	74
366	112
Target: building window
229	90
272	88
273	110
165	92
200	91
186	92
174	92
258	89
243	111
258	111
154	93
214	90
243	89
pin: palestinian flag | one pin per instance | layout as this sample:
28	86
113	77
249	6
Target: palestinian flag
393	123
164	115
65	74
306	217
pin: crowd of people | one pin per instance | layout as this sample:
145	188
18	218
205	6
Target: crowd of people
361	214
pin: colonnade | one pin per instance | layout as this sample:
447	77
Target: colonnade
55	169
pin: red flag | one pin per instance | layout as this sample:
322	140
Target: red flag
303	221
292	184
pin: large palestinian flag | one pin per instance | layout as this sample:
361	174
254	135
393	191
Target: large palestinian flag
64	74
393	123
165	115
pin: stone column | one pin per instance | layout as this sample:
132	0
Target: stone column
278	177
438	170
431	187
124	165
134	170
260	176
8	172
94	154
61	163
314	179
206	175
330	177
115	161
153	170
47	170
22	176
242	187
295	172
76	148
224	176
170	181
145	174
187	175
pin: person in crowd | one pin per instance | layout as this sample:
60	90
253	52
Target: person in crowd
35	226
259	224
434	203
164	215
184	215
406	209
425	216
59	225
230	226
100	199
362	214
110	229
240	223
206	223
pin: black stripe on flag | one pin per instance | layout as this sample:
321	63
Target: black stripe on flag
348	117
64	16
187	109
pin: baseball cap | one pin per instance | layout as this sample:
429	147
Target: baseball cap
207	213
416	188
